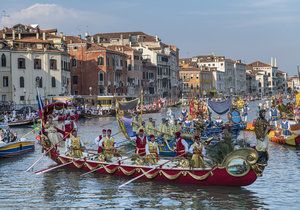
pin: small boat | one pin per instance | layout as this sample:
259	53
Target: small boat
239	168
20	123
16	148
275	136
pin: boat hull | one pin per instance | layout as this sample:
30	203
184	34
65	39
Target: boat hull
16	148
217	176
289	140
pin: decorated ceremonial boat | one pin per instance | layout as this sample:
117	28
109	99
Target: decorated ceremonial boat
277	137
49	109
168	144
239	168
16	148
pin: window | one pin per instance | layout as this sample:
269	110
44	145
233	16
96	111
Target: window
53	64
100	61
129	67
22	83
269	74
74	62
21	63
5	81
3	60
22	98
136	57
39	82
107	61
75	80
37	64
53	82
121	62
100	77
3	97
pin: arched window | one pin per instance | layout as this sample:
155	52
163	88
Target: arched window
3	60
39	82
53	81
22	83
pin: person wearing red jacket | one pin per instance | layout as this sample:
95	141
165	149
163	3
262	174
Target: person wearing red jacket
141	142
182	146
98	141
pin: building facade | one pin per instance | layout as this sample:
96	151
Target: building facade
33	63
96	70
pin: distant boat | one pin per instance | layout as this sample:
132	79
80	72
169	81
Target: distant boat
16	148
20	123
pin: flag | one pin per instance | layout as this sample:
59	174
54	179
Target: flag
40	104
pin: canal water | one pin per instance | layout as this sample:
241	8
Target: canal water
278	188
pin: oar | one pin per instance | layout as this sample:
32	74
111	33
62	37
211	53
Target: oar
128	182
44	154
53	168
96	169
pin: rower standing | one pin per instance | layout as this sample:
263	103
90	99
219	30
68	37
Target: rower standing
274	115
152	150
108	143
262	128
75	145
141	141
182	146
198	151
98	141
150	128
245	110
285	126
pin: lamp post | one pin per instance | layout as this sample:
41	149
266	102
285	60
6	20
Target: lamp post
90	88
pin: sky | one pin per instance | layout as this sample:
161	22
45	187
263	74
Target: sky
249	30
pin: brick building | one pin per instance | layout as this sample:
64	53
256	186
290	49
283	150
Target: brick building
96	70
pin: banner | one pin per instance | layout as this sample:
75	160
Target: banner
220	107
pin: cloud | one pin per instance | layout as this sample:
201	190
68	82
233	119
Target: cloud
53	15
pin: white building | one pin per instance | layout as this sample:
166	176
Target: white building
32	62
230	76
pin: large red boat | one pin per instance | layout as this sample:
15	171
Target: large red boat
239	168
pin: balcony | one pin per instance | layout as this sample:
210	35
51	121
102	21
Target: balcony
101	83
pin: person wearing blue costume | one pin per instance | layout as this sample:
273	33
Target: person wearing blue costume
234	116
285	126
245	110
184	113
274	115
219	122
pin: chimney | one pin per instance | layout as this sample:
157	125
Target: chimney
3	36
92	39
156	38
19	36
61	34
121	38
13	34
272	61
37	35
44	36
64	38
98	39
275	62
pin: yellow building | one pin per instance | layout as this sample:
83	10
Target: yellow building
196	81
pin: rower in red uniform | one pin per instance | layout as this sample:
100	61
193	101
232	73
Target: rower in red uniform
141	141
182	147
98	141
69	126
